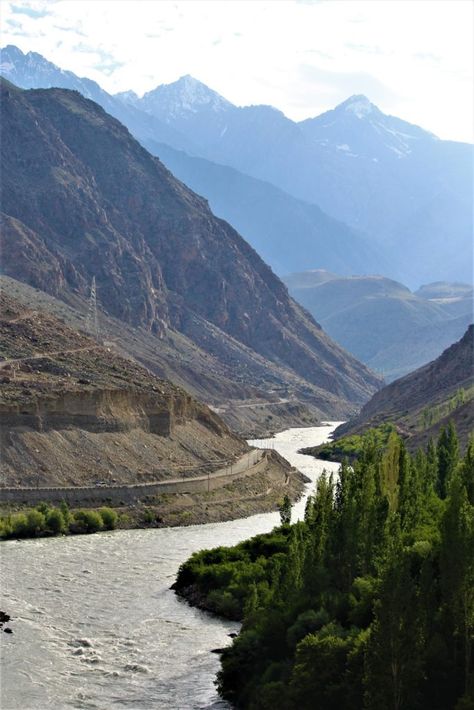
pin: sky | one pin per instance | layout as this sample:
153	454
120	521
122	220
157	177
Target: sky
412	58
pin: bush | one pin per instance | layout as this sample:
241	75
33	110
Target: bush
86	521
55	522
109	518
35	522
5	528
19	524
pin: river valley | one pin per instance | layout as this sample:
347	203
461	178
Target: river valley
96	625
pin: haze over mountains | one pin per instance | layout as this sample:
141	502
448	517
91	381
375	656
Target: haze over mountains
82	198
404	195
380	321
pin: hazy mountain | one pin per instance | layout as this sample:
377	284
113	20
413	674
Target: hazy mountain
423	401
408	190
288	233
382	322
82	198
411	191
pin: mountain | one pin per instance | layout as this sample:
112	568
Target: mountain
455	298
288	233
33	71
83	199
380	321
423	401
73	411
410	191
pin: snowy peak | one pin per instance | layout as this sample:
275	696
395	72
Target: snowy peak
359	105
187	95
128	97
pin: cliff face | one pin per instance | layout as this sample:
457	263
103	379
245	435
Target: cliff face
82	198
72	411
423	401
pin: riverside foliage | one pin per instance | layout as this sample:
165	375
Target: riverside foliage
368	602
46	520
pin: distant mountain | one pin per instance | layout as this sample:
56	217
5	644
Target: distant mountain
82	198
288	233
423	401
382	322
409	190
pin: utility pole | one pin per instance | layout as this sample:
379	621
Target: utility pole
92	321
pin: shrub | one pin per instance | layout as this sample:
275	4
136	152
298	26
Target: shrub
55	521
5	528
86	521
19	524
43	508
35	522
67	515
109	518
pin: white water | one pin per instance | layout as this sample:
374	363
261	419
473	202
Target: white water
96	625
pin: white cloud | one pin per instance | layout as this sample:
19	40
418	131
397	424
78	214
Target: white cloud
414	59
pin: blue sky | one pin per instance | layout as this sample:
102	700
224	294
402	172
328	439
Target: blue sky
413	58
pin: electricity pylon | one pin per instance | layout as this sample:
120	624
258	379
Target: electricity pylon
92	320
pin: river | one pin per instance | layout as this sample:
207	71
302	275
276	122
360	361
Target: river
96	625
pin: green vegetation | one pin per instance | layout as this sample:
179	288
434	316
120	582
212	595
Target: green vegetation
350	447
47	520
432	415
368	602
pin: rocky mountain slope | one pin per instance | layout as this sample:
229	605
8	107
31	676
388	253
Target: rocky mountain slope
82	198
423	401
75	413
289	234
380	321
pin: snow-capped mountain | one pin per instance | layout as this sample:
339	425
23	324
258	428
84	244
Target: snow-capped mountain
410	192
33	71
187	95
366	130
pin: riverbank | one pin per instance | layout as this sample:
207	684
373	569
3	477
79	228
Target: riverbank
112	591
259	491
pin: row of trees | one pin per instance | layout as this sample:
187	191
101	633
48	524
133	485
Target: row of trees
371	605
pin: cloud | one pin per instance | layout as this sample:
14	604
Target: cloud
414	59
30	10
346	83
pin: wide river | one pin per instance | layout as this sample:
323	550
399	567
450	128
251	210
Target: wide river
96	625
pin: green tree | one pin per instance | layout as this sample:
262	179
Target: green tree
285	511
448	456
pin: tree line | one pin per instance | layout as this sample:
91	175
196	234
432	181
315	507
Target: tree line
368	602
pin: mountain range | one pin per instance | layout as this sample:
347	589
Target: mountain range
389	196
380	321
81	198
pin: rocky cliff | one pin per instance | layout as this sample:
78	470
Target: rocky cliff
73	412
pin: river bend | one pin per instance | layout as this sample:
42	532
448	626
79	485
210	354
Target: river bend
95	624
